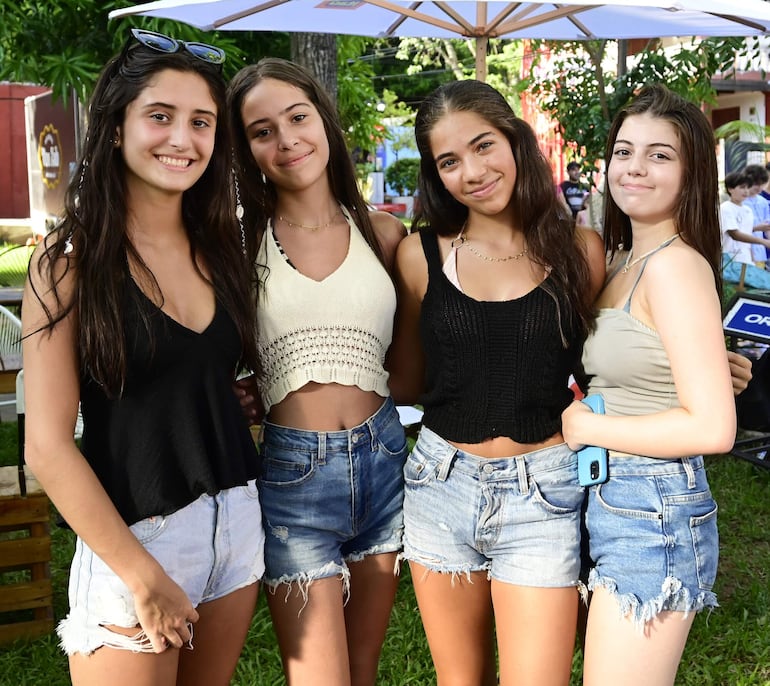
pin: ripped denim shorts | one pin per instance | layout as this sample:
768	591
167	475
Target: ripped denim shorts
331	497
653	537
211	548
517	518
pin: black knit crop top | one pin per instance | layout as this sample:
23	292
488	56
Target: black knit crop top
177	430
493	368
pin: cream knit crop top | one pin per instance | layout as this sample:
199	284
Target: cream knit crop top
336	330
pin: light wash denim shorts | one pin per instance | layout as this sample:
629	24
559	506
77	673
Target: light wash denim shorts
518	518
653	538
211	547
331	497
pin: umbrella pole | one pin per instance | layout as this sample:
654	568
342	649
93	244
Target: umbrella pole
481	58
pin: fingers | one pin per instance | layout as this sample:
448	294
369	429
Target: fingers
178	637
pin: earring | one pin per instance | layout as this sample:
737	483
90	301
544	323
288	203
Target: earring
264	178
239	211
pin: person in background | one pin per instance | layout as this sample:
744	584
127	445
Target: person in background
495	294
758	176
737	221
658	358
574	192
137	307
333	447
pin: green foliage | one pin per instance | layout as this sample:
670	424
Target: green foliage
584	96
402	175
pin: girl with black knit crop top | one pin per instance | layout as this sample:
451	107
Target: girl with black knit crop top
137	306
658	358
332	444
495	296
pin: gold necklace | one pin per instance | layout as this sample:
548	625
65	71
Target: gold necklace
631	263
298	225
464	240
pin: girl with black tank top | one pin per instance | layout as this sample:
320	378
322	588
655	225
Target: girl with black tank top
495	297
138	307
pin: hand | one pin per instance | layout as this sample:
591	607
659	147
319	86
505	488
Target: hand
165	614
740	371
248	395
571	419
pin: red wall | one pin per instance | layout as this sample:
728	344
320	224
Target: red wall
14	188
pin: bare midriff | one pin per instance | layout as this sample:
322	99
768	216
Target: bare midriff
325	407
501	446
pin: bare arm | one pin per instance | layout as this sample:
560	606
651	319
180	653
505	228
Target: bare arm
390	232
52	390
677	292
406	361
744	237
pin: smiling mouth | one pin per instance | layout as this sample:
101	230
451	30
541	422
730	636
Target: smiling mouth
295	160
174	161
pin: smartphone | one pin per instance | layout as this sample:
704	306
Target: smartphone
592	460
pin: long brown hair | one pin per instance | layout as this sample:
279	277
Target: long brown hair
696	215
547	225
258	193
95	218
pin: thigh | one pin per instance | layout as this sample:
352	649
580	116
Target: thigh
218	638
310	625
619	651
373	584
535	633
124	668
456	611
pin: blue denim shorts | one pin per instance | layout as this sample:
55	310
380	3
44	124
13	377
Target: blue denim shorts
211	547
517	517
331	497
653	537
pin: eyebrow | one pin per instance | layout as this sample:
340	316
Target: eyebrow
285	110
471	142
623	141
169	106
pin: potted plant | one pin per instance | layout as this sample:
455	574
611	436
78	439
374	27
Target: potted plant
402	175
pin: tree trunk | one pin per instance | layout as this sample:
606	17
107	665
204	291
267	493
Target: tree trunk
318	53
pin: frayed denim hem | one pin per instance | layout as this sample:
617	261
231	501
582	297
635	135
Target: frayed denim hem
379	549
78	634
431	567
302	581
673	597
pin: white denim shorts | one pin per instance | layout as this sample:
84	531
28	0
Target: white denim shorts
211	547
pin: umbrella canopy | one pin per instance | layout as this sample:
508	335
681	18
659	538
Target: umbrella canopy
562	20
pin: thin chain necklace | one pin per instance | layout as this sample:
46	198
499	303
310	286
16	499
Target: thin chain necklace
631	263
464	240
298	225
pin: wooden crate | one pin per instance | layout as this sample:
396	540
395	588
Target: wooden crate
26	593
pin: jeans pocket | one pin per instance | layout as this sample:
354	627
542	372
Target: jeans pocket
282	466
705	540
148	529
418	469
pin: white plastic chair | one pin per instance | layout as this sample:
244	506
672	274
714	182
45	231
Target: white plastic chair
10	352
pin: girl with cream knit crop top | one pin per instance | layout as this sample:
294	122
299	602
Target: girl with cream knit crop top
335	330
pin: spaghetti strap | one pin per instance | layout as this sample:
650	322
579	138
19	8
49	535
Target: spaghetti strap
627	306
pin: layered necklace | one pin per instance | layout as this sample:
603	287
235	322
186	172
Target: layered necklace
464	240
633	262
308	227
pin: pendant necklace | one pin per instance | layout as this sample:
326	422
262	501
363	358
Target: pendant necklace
632	263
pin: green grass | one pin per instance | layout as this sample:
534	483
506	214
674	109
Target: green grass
728	647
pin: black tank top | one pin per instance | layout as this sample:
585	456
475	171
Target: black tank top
493	368
177	430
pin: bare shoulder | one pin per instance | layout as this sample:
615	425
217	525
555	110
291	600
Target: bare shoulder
679	263
389	231
593	247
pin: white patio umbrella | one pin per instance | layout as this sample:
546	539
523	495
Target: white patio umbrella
561	20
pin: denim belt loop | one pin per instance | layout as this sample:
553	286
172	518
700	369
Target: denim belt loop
372	435
690	471
521	469
446	464
321	447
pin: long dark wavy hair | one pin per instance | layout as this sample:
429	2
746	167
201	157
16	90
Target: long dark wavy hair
696	215
547	225
258	193
95	221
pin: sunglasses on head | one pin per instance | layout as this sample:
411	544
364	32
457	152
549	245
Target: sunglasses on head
162	43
